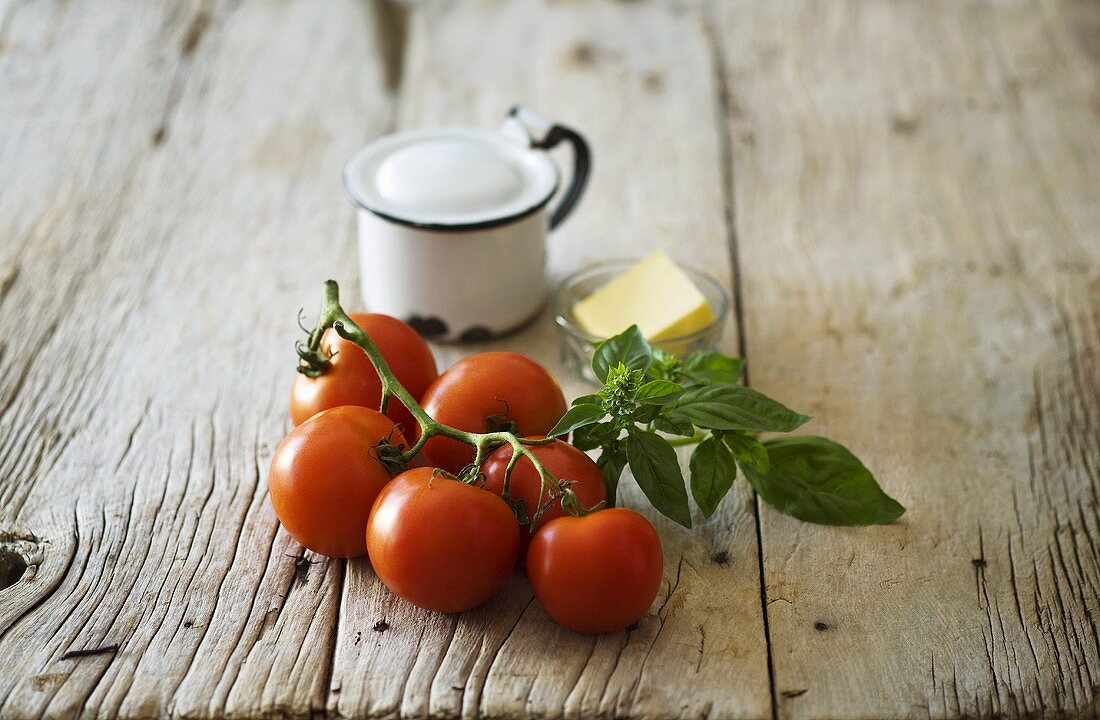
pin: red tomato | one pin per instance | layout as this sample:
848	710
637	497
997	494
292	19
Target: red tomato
502	386
439	543
325	476
352	380
565	461
597	573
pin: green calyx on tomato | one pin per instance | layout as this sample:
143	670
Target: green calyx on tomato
313	359
390	453
501	421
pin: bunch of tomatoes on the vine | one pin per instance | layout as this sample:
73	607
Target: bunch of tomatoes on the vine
456	478
448	481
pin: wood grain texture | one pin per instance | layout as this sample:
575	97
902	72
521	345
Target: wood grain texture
592	66
171	198
185	209
903	195
927	173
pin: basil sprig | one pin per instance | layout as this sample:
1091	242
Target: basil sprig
652	402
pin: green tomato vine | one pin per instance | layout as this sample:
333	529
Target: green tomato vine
314	362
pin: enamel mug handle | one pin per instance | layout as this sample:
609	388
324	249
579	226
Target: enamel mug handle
541	134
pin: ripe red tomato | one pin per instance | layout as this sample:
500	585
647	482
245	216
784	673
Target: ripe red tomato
325	476
597	573
565	461
352	380
504	387
440	543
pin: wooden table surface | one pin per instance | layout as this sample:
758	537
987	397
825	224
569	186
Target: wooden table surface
904	196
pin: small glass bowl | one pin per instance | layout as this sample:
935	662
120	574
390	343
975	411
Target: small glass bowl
577	344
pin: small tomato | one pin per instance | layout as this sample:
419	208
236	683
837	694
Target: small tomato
567	463
351	378
596	573
439	543
325	476
487	391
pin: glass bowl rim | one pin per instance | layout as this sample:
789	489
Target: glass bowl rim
561	317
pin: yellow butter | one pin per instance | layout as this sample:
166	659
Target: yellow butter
656	295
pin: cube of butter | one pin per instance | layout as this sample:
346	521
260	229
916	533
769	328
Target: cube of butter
656	295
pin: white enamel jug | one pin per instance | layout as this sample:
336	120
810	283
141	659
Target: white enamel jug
453	223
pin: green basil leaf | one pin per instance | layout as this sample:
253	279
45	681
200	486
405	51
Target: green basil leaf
674	427
576	417
748	451
628	347
820	481
713	471
590	437
587	400
611	463
666	366
734	407
658	392
657	471
708	367
646	414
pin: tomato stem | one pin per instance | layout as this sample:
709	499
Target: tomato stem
333	316
683	441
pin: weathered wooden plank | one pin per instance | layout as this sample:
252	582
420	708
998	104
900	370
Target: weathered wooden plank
637	79
171	197
916	189
914	183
